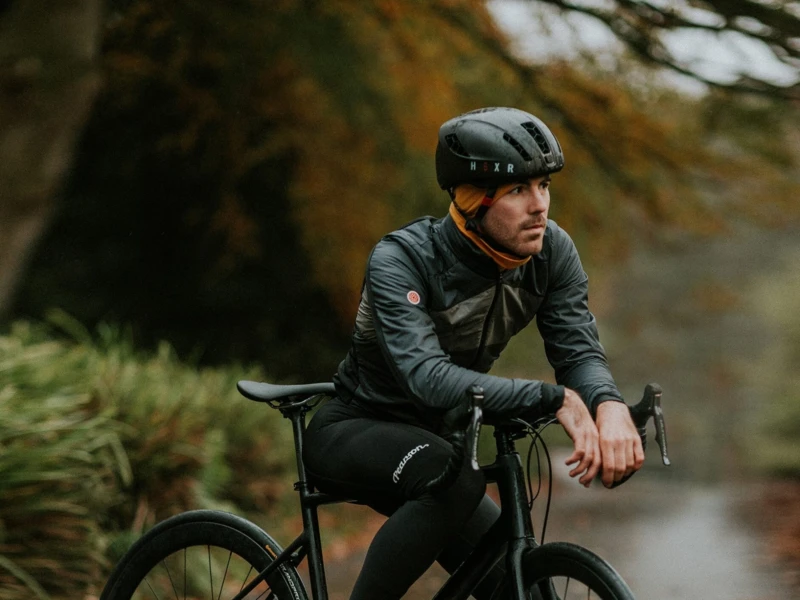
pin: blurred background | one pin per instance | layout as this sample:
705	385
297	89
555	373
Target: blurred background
189	192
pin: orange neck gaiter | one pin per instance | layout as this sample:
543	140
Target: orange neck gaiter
469	198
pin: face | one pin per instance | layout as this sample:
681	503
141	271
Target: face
517	219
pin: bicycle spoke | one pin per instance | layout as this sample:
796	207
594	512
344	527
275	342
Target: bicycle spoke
152	571
151	588
269	591
210	574
166	567
568	590
246	577
271	595
224	576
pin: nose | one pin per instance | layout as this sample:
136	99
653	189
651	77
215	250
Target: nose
539	200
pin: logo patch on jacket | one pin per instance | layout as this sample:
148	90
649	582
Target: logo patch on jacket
413	297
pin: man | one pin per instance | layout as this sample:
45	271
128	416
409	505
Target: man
441	299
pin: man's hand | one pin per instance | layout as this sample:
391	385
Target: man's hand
577	422
620	444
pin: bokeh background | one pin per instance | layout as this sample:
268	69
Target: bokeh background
189	191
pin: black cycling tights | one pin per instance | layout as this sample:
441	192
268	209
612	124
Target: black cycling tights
387	465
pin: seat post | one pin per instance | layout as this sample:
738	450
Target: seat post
308	509
297	415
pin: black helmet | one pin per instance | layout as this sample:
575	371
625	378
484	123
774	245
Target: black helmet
489	146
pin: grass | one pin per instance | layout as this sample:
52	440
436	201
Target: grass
98	443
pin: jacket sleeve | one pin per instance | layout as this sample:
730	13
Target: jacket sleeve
569	329
408	341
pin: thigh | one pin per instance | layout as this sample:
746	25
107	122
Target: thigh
372	460
485	515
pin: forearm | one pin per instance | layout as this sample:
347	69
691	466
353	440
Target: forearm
439	384
592	379
569	330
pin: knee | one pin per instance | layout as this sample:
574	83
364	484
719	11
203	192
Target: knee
471	483
466	492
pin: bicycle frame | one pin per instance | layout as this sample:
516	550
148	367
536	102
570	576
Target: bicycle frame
511	535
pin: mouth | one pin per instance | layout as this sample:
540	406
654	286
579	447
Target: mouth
534	227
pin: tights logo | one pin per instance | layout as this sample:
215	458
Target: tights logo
406	458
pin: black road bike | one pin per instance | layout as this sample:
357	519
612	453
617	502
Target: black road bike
218	555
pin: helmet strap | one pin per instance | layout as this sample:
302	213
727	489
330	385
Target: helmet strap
460	210
485	204
473	223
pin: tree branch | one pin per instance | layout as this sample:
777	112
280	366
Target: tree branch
638	24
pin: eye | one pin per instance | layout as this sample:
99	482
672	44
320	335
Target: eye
518	190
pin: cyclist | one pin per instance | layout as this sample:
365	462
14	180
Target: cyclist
440	301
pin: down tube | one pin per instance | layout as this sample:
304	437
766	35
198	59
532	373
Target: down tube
482	559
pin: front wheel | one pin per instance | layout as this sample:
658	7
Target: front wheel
562	571
201	554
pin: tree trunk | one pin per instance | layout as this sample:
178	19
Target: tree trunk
49	77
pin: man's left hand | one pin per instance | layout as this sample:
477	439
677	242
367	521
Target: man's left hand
620	444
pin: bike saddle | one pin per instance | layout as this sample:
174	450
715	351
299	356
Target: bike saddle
269	392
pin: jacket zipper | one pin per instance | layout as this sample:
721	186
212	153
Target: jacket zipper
487	320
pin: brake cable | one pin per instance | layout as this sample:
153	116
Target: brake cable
534	432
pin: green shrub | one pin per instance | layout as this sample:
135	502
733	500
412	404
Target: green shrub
97	443
61	463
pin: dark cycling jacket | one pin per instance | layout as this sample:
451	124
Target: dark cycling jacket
436	312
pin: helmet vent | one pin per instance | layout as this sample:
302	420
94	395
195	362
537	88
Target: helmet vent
455	144
537	136
518	147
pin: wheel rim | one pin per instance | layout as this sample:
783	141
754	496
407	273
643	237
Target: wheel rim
563	588
201	573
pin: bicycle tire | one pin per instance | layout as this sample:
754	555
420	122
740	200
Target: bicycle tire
550	569
148	561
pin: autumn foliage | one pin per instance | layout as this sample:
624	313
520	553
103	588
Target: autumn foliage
244	157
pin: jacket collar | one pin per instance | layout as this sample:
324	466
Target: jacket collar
465	251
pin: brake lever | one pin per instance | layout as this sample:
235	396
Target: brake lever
464	439
474	427
650	406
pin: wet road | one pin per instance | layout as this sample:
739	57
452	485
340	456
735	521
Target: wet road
671	540
668	540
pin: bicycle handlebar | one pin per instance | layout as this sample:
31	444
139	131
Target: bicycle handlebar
465	439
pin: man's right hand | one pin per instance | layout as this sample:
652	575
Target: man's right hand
579	425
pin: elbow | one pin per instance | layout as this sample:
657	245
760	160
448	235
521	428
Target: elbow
428	383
